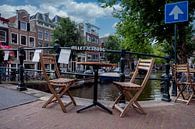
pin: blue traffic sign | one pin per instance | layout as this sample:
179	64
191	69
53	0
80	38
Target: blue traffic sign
176	12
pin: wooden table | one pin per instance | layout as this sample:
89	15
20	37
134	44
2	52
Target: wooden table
96	66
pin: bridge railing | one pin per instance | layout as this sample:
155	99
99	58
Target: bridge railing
21	75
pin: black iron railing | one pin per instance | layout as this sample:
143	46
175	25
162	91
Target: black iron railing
22	76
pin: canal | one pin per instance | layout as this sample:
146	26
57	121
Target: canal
107	91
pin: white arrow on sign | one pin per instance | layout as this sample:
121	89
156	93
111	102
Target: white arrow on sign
176	11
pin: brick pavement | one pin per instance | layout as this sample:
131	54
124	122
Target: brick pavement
160	115
32	116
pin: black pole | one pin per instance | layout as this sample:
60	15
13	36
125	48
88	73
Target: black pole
95	89
174	88
21	85
122	69
57	50
167	78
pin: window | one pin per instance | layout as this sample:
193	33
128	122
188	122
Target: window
14	38
16	53
40	34
94	40
23	25
32	42
40	43
92	31
47	35
2	36
31	55
23	40
40	23
46	44
88	38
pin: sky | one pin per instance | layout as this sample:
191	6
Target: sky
78	10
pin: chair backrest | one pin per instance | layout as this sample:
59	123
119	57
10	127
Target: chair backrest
49	59
143	65
182	73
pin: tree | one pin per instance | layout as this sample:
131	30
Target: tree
158	49
112	44
134	37
67	33
144	20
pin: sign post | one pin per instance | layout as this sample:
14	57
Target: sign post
174	13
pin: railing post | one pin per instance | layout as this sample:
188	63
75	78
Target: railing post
21	85
167	78
122	69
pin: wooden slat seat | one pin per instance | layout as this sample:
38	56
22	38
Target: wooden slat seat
184	82
61	81
132	89
58	86
127	85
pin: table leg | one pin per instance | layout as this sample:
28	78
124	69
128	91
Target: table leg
95	92
103	107
95	104
78	111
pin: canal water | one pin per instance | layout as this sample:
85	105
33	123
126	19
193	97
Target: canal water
107	91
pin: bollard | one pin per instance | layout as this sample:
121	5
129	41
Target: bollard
122	69
21	86
167	78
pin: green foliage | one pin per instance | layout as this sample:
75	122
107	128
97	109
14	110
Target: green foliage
158	49
141	21
67	33
112	44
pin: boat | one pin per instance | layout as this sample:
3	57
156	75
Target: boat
107	77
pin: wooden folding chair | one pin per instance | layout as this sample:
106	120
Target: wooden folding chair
58	86
133	89
184	83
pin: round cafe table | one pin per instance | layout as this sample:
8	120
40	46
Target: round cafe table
96	66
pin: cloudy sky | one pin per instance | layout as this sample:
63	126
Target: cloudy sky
78	10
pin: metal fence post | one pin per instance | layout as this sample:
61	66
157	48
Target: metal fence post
122	69
21	85
167	78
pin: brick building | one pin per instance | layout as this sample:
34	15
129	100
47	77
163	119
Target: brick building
90	36
4	31
43	25
21	35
